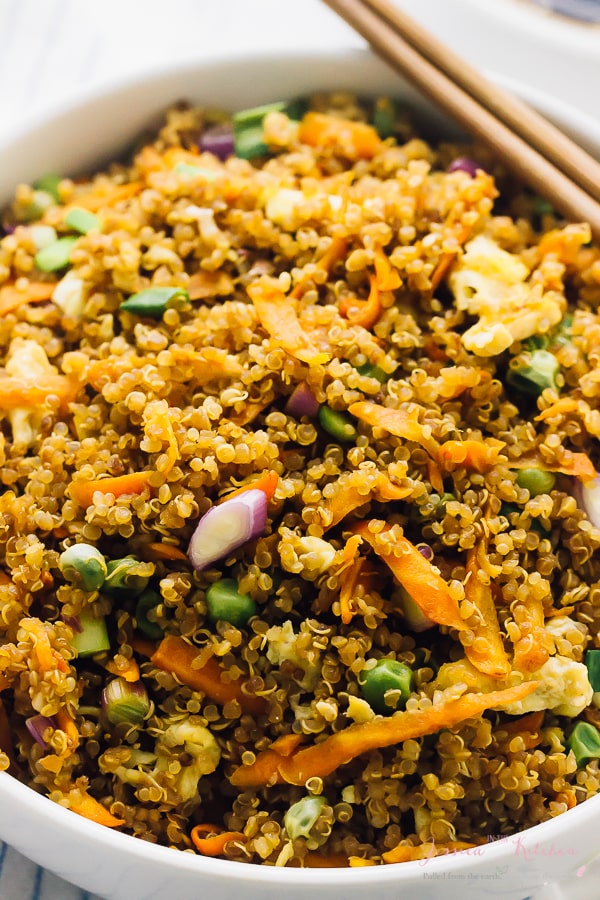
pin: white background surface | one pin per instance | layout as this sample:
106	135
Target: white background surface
55	50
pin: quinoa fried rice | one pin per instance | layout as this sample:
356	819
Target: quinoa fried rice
399	351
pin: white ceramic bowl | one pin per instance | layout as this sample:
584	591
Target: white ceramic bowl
120	867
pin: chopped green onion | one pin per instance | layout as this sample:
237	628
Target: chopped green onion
584	741
536	481
384	117
84	566
532	373
125	701
92	637
386	686
592	661
125	577
225	602
82	220
248	135
40	202
337	424
302	816
55	256
146	604
154	301
373	371
183	168
49	183
249	142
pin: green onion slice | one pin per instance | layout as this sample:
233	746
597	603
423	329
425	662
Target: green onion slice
55	256
82	220
154	301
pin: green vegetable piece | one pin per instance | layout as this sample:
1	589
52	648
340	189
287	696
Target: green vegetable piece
146	604
125	578
82	220
592	661
154	301
388	680
41	201
255	115
248	135
225	602
248	142
337	424
536	481
84	566
183	168
55	256
302	816
384	117
125	701
49	183
93	636
535	375
413	614
584	741
373	371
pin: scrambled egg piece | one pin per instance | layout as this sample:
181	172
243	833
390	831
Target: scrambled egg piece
70	294
28	361
490	283
563	685
285	645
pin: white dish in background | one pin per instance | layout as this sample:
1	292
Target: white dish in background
120	867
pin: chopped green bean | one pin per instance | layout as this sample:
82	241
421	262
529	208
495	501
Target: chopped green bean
337	424
82	220
584	741
154	301
56	255
536	481
92	637
125	577
225	603
386	686
84	566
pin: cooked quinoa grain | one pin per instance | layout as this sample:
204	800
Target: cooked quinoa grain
298	522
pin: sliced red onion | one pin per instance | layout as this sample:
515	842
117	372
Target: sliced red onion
37	725
587	494
464	164
302	402
218	140
227	526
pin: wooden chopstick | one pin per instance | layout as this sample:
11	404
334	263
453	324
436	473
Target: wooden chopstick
436	72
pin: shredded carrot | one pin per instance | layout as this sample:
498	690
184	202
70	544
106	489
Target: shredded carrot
215	843
567	797
327	261
133	483
12	297
286	744
477	456
176	656
356	488
165	551
355	140
267	483
126	668
66	723
278	317
17	392
350	577
388	278
142	646
578	465
528	728
94	811
400	422
104	194
43	652
406	853
435	476
415	573
59	661
486	652
561	407
363	312
324	757
533	647
446	260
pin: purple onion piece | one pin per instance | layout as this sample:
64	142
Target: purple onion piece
217	140
227	526
464	164
37	725
302	402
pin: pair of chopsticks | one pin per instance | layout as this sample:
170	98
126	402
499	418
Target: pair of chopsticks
528	144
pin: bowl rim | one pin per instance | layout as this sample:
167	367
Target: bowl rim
41	807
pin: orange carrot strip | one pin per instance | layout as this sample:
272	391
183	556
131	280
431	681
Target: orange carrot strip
176	656
142	646
416	575
435	476
278	317
350	493
532	649
446	260
104	195
60	662
43	652
406	853
561	407
399	422
477	456
165	551
12	297
133	483
348	581
323	758
267	483
579	465
94	811
327	261
388	278
129	670
487	651
316	860
528	728
67	724
355	140
286	744
17	392
363	312
214	845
